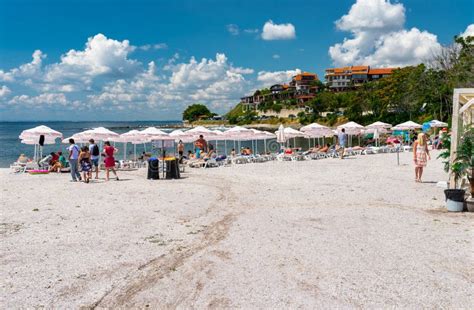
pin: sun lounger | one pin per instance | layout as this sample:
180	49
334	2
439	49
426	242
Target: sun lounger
21	167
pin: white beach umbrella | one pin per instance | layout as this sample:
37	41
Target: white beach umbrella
280	134
238	133
200	130
131	136
153	133
351	128
178	134
379	125
98	134
32	136
380	130
293	133
407	126
33	142
437	124
219	135
316	130
36	132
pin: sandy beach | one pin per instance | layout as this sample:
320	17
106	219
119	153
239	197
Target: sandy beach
324	233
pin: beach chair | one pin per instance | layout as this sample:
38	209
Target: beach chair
212	162
26	167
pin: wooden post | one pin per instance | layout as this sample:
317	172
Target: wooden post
454	134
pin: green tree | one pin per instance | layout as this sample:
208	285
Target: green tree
196	111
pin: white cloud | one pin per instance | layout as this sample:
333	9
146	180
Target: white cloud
48	99
27	70
103	77
158	46
411	46
242	70
101	56
373	14
378	37
268	78
469	32
233	29
272	31
4	91
276	56
212	81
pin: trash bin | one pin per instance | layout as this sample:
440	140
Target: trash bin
153	169
172	169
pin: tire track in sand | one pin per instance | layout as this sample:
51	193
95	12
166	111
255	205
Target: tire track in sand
149	274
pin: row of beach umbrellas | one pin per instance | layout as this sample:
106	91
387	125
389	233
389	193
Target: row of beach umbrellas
237	133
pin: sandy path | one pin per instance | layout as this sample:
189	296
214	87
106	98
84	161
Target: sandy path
352	233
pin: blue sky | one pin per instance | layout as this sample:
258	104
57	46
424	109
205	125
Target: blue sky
149	73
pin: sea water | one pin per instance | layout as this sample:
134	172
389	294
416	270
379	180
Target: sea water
11	147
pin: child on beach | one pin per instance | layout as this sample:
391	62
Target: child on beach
86	164
420	155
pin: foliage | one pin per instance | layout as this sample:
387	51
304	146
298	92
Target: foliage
195	112
463	164
417	93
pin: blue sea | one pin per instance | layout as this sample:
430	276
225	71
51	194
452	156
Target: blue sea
11	147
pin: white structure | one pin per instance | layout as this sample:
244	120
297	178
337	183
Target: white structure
463	114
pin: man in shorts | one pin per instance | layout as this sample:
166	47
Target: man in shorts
342	142
95	156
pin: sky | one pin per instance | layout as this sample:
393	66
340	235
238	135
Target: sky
148	60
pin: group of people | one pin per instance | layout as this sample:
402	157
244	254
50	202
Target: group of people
88	159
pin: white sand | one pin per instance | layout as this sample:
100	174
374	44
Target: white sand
326	233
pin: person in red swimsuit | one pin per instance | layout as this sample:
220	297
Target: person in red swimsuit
109	160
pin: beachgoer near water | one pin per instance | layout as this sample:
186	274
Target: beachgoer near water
200	145
62	160
325	148
180	148
109	160
73	156
86	163
59	163
95	156
420	155
342	142
22	159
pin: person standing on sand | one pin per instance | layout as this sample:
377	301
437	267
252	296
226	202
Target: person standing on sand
420	155
342	142
95	156
180	148
86	163
109	160
73	156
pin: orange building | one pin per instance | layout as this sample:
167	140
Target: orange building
347	78
301	88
